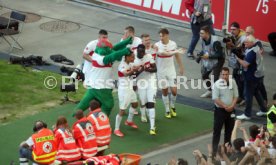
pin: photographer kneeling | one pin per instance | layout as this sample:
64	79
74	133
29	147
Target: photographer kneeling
211	58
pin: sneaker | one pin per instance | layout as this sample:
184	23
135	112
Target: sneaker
131	124
190	56
243	117
168	115
206	94
152	131
173	112
118	133
260	113
144	119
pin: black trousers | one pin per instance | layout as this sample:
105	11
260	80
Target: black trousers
239	81
216	72
222	117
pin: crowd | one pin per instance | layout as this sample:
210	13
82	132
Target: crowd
142	63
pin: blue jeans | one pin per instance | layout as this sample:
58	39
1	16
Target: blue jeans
25	153
252	89
195	30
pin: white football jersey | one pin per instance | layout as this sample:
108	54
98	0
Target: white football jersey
124	81
89	49
146	61
102	75
165	64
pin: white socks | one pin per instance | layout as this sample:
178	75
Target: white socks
130	114
118	122
166	102
152	117
172	102
143	111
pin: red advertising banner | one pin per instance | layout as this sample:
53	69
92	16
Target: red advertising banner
174	9
257	13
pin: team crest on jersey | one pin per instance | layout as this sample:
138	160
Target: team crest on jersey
47	147
102	116
89	127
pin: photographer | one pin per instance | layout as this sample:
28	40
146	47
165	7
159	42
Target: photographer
201	15
251	82
234	45
211	58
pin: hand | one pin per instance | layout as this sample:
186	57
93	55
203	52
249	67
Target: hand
205	56
210	149
197	13
238	123
242	129
181	71
181	50
197	153
229	109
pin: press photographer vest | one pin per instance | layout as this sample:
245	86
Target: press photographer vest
199	6
232	61
209	64
270	125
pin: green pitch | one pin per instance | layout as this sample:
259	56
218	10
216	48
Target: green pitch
190	122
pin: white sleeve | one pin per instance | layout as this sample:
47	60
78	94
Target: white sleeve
122	68
173	46
90	47
30	141
215	91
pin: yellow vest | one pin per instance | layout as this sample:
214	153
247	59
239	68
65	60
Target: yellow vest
270	125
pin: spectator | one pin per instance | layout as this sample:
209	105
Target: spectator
252	83
260	64
271	118
101	126
201	15
40	147
67	149
235	45
84	135
211	58
225	95
272	41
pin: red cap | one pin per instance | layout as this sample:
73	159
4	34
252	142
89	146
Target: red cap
104	43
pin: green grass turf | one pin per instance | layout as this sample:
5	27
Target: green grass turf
189	122
22	92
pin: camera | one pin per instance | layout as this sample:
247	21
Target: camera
198	57
229	39
27	61
74	73
238	51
